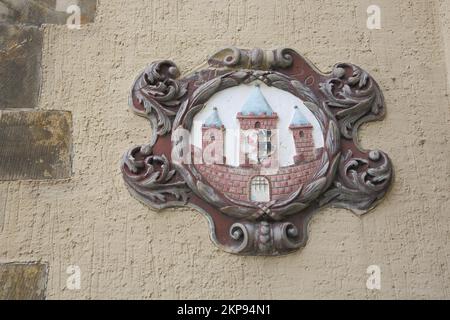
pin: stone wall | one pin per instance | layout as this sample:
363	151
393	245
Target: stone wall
235	181
125	250
35	144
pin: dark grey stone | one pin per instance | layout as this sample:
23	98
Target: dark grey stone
35	145
37	12
20	59
23	281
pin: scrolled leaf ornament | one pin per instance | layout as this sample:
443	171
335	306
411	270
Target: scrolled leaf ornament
157	94
257	141
354	96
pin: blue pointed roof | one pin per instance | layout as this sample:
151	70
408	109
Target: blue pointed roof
213	120
256	104
299	119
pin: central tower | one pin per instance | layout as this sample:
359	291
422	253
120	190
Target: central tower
258	132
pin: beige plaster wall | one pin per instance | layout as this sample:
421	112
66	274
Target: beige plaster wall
125	250
444	15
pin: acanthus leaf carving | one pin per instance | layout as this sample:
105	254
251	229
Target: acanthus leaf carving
152	179
157	93
361	182
354	96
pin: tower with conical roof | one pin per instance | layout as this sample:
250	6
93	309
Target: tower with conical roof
213	139
302	132
258	124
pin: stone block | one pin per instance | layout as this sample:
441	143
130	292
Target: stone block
38	12
23	281
20	59
35	145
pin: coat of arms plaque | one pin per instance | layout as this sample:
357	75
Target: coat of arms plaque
257	140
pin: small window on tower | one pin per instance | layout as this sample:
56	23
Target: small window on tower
301	134
213	138
257	125
264	144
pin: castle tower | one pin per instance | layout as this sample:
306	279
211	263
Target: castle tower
302	132
213	139
258	138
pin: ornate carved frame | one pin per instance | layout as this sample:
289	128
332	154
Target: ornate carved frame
348	176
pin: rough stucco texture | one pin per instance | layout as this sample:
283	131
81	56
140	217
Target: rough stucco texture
125	250
444	14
